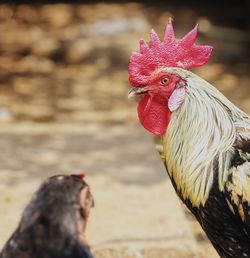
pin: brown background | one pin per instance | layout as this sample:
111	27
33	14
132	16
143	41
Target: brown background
68	62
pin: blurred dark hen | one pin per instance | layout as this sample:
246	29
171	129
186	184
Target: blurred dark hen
53	224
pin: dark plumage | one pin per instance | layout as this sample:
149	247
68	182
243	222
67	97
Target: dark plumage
226	222
53	223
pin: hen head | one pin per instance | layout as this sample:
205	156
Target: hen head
162	91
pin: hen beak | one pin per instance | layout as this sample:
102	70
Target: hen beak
136	91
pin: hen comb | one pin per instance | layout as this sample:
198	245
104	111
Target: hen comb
170	52
78	174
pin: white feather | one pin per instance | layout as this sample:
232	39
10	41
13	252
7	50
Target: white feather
201	131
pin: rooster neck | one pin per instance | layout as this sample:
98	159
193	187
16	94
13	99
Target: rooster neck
200	138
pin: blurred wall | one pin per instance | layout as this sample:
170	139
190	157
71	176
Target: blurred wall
68	62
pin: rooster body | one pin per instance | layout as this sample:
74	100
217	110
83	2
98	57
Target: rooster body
216	192
205	138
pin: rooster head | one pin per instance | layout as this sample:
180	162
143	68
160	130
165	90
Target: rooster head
161	90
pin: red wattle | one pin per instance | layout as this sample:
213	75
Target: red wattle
154	114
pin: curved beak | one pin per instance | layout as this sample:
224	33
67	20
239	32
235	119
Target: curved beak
136	91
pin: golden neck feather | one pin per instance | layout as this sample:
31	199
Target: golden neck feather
201	130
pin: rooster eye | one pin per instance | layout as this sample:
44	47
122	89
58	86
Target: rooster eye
165	80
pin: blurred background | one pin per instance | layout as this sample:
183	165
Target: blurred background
64	107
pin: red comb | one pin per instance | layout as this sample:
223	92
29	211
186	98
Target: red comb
79	174
170	52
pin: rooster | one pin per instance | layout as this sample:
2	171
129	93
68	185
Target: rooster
205	138
53	224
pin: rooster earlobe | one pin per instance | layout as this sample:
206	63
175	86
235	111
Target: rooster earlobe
177	98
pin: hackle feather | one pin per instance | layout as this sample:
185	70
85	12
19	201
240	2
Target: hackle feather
200	136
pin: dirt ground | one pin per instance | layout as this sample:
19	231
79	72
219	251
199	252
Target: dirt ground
137	213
